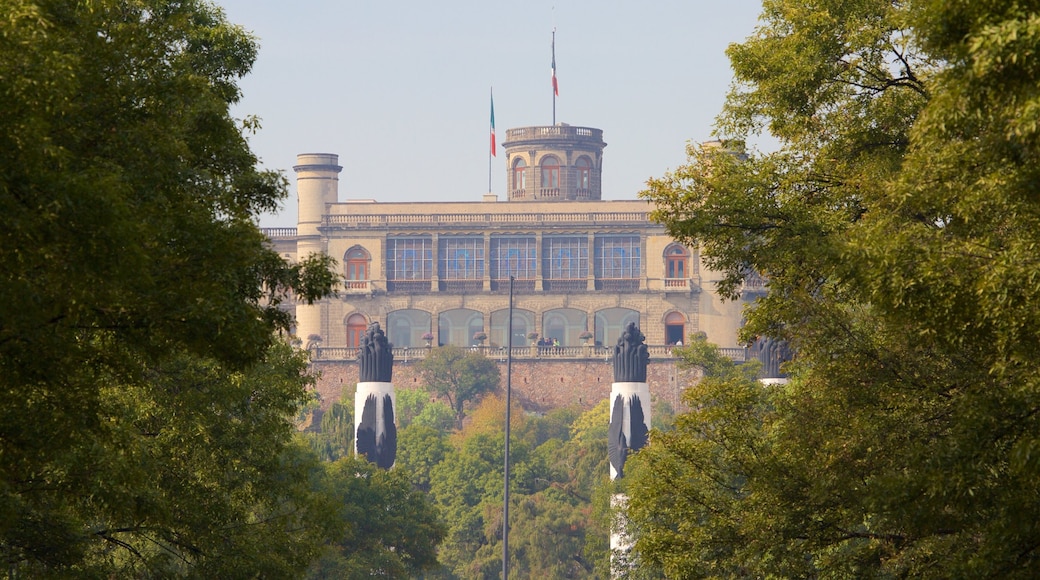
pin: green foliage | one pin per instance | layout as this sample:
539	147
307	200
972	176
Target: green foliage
415	405
553	533
459	376
896	226
419	449
380	525
336	436
140	300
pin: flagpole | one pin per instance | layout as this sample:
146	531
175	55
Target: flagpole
556	91
509	394
491	151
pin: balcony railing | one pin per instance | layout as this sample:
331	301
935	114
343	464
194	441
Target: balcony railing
273	233
462	286
408	286
617	284
527	352
356	284
568	285
433	220
502	284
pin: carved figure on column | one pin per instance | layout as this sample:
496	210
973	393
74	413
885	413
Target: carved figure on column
375	436
375	357
772	354
629	421
631	356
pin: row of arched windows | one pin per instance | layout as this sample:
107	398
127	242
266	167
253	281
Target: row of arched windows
407	328
549	176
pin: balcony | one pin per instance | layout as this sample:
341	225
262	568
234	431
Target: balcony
566	285
462	286
356	286
409	286
519	286
618	284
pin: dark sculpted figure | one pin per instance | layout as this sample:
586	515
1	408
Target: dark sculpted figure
631	356
376	357
379	447
630	359
771	353
618	445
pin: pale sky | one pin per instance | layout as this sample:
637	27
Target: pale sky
400	89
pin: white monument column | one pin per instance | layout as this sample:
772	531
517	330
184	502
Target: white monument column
629	427
375	425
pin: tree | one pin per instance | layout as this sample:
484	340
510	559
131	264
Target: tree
132	264
896	226
380	525
459	376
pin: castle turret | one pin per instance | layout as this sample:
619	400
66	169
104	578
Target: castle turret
558	162
317	186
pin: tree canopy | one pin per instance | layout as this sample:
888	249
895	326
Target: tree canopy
459	376
896	225
140	299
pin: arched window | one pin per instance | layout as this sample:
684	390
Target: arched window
565	325
407	327
356	264
523	322
584	175
550	183
519	177
458	326
676	266
357	324
611	322
674	328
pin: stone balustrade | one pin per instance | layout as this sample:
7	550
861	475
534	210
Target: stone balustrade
657	352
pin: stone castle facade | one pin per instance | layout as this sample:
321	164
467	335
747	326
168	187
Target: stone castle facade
438	272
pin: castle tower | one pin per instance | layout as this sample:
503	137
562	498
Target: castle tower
558	162
317	186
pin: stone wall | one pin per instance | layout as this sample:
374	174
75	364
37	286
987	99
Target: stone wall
541	384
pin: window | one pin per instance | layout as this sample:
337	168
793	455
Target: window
618	257
356	327
565	325
409	263
513	256
357	261
519	177
674	328
565	263
611	322
584	170
677	262
405	328
565	258
550	176
458	326
523	322
462	258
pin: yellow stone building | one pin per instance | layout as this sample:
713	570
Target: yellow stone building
439	272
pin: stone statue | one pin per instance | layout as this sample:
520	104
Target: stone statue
772	354
376	357
631	356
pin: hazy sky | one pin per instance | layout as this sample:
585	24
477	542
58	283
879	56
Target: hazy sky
400	89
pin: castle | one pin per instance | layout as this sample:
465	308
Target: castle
436	273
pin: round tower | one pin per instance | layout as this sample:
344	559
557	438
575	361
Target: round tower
317	186
557	162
